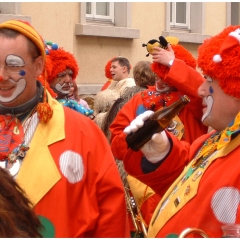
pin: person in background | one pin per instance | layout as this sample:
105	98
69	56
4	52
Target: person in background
170	85
62	70
143	74
73	95
103	100
198	183
59	157
143	77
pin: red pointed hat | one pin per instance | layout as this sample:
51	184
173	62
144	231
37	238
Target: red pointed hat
219	58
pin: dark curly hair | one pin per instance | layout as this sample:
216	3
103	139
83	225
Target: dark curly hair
17	219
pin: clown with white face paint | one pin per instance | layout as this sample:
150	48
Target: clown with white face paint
170	85
199	183
62	83
162	86
14	66
60	158
62	69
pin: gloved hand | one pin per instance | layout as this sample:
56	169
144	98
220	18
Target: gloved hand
158	147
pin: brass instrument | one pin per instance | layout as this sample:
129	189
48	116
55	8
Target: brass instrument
185	232
136	215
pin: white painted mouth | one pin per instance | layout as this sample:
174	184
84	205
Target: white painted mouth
20	86
60	87
209	103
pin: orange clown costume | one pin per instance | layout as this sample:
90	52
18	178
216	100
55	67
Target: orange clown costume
218	200
199	184
68	172
71	187
183	76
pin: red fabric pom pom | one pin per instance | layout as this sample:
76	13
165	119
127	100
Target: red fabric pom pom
44	112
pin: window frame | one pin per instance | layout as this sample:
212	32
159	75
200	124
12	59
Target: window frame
94	16
122	27
193	35
173	12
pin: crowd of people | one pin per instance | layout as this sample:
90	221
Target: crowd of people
67	170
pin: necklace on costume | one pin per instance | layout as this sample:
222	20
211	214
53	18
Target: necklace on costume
200	161
217	141
13	147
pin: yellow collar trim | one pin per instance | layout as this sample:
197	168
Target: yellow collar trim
39	173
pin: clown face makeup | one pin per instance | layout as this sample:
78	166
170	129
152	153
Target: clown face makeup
216	105
14	65
62	83
162	86
63	74
17	72
208	100
12	91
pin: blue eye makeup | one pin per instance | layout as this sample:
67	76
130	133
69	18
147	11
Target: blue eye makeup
22	73
211	89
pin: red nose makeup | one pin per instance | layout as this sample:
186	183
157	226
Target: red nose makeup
1	78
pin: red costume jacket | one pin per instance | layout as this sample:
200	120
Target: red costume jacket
71	177
187	81
207	200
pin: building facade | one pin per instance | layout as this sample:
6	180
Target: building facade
95	32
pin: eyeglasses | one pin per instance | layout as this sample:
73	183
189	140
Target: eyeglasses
16	68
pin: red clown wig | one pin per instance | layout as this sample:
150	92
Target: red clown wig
219	58
57	61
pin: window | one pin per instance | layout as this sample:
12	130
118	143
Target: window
185	21
9	8
103	11
235	17
180	14
12	10
106	19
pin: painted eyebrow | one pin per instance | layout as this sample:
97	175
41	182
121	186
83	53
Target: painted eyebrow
14	60
209	79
